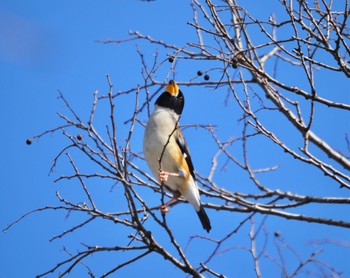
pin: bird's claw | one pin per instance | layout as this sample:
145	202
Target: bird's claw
163	176
164	209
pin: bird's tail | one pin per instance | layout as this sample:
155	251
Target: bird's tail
203	217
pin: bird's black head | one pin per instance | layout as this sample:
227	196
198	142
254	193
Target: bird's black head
172	98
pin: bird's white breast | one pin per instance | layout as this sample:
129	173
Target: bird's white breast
161	125
158	135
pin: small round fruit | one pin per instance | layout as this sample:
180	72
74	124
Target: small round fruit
199	73
234	63
29	141
79	137
171	59
206	77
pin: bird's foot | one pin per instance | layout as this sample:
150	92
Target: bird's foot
164	209
163	176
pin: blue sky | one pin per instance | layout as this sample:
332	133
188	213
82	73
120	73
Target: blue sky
46	46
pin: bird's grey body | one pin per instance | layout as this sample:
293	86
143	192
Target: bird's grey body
161	130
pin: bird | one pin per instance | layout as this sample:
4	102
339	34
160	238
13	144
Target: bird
167	154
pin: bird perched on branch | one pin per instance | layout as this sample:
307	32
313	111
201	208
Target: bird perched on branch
167	154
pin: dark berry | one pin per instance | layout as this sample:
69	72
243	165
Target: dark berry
171	59
206	77
199	73
29	141
234	63
79	137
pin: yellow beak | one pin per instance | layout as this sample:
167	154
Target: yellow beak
172	88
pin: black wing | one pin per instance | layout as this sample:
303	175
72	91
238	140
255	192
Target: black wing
180	140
